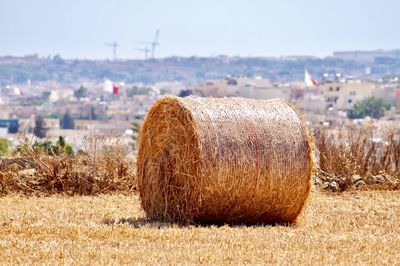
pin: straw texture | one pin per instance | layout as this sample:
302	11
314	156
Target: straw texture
223	160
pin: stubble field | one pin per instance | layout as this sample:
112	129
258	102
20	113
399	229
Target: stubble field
350	228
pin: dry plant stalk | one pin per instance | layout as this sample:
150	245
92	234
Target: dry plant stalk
107	170
226	160
368	154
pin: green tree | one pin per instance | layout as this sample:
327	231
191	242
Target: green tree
131	91
67	122
13	128
39	130
63	146
92	115
61	141
46	95
135	90
135	132
81	92
51	148
371	106
4	147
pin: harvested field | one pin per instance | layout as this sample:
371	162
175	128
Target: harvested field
347	228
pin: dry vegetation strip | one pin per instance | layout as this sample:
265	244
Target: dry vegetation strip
347	158
102	166
352	227
353	157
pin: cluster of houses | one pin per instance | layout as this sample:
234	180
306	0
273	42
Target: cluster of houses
100	112
326	102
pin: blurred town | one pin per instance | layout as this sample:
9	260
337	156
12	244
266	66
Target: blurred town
80	98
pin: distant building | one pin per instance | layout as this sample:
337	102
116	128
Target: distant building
56	95
311	103
343	95
169	87
52	123
84	124
366	56
7	125
3	132
255	88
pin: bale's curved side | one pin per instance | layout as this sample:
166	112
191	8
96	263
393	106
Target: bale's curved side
226	160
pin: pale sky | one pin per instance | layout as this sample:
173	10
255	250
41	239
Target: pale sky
78	28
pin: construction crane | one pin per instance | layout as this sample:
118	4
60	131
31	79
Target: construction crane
153	44
114	46
146	51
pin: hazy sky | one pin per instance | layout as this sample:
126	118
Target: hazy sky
78	28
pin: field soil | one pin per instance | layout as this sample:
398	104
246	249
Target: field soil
347	228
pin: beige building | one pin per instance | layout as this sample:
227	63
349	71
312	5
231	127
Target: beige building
56	95
255	88
84	124
311	103
343	95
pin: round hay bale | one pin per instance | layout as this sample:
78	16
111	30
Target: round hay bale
223	160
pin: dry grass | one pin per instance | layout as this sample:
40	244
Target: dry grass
103	166
350	228
223	160
349	158
367	157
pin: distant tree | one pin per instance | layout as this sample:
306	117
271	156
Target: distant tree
63	146
185	93
51	148
371	106
135	132
58	60
131	91
46	94
61	141
39	130
67	122
135	90
93	115
135	127
13	128
4	147
81	92
164	91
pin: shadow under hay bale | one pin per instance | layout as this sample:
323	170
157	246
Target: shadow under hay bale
226	160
